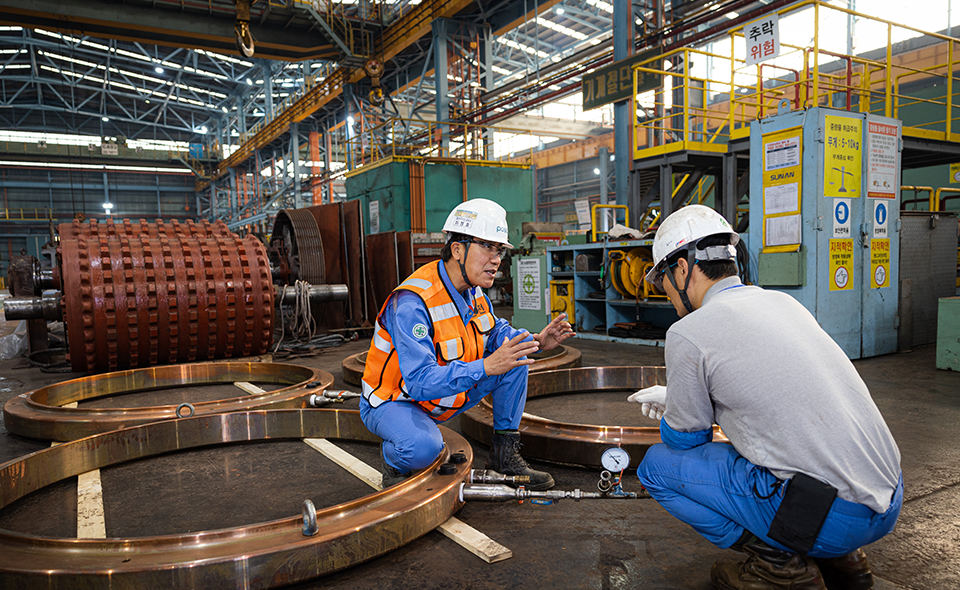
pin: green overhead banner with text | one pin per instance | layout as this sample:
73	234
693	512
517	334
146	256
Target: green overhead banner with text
614	83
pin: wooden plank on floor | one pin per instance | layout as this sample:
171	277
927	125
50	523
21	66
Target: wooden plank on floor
358	468
90	522
249	388
458	531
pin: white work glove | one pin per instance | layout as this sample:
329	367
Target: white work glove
652	400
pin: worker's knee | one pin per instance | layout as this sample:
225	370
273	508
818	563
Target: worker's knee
415	453
649	470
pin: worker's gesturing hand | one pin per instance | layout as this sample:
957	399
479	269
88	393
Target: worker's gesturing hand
509	355
652	400
556	332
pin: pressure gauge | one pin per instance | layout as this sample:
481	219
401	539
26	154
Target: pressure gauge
615	459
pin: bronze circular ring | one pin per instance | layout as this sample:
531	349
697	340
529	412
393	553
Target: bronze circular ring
578	444
38	414
562	357
263	555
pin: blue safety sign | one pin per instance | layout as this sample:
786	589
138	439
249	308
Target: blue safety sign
841	218
880	217
842	212
881	214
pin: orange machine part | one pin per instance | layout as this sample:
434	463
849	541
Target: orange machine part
140	301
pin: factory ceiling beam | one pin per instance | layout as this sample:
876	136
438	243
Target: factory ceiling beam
397	37
143	91
141	22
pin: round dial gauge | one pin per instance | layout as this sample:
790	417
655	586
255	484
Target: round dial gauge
615	459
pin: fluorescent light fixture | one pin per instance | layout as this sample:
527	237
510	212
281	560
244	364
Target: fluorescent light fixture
249	82
559	10
158	70
104	119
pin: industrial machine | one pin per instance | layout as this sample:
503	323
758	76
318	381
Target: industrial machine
825	219
138	294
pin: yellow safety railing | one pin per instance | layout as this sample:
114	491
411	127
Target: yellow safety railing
401	139
704	189
678	114
594	221
24	213
916	198
936	202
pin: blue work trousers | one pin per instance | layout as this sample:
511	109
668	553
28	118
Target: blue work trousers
720	494
411	439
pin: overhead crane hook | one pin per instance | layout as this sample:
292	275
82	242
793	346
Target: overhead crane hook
241	29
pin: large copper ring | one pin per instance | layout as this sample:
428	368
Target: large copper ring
562	357
38	414
579	444
262	555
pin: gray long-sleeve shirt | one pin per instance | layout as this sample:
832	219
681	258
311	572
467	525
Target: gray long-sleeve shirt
757	363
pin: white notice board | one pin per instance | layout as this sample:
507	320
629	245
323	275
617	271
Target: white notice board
529	294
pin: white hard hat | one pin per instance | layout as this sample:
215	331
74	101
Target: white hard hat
687	226
480	218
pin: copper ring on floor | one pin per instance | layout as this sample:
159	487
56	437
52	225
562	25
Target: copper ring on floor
263	555
38	414
562	357
578	444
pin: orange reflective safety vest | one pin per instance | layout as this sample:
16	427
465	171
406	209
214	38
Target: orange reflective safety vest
452	339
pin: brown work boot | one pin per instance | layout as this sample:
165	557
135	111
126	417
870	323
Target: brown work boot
766	568
505	458
848	572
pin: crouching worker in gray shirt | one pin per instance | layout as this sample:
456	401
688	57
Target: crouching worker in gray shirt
812	473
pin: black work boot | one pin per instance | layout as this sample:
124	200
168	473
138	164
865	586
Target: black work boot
766	568
848	572
505	458
391	476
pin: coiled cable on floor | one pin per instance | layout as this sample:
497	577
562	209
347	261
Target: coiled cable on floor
304	325
58	367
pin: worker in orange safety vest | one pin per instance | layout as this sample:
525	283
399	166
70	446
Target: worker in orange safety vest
437	350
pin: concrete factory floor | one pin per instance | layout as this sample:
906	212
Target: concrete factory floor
592	544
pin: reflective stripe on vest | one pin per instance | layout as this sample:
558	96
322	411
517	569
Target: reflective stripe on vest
452	339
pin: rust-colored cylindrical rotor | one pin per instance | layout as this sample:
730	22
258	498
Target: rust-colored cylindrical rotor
40	413
580	444
136	302
263	555
142	229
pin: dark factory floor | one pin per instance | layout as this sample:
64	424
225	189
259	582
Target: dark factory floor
601	544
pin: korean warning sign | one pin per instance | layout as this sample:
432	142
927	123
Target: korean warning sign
842	157
882	155
763	39
841	265
879	263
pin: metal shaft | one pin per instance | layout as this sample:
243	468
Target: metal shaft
34	308
317	293
45	278
330	396
502	493
490	476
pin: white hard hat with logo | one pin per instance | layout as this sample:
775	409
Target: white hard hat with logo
685	227
481	218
